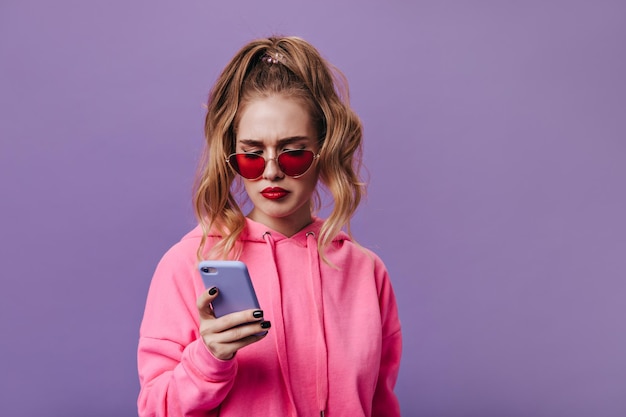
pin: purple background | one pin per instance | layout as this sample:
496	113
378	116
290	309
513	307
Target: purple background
495	144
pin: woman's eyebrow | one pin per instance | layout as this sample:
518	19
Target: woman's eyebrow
282	142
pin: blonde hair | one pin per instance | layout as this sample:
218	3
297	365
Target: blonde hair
291	67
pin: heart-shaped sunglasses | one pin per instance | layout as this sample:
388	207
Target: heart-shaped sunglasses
294	163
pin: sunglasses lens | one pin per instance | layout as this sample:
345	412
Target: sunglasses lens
248	165
295	163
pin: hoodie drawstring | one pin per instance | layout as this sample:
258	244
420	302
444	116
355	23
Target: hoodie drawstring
278	326
315	283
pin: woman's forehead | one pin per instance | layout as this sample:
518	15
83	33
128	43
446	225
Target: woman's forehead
275	120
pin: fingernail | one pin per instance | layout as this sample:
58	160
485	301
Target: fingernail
257	314
266	325
213	291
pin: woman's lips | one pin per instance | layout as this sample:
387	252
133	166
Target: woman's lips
274	193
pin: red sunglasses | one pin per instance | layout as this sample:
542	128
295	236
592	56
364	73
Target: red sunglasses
294	163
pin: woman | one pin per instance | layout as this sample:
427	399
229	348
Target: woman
328	339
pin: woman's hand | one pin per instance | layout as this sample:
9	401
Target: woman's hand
224	336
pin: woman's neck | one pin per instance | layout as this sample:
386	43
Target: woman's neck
287	226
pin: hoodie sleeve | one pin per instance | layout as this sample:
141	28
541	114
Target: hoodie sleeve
177	373
385	402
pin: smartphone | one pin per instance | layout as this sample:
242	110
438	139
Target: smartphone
236	292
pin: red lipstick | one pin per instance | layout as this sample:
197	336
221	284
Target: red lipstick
274	193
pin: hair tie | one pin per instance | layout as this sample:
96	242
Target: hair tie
275	58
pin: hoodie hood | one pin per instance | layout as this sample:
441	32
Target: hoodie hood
254	232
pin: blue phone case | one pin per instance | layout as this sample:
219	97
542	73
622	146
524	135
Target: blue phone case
236	292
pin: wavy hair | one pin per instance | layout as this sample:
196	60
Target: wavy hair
291	67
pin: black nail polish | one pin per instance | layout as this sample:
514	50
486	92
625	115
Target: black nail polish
212	291
266	325
257	314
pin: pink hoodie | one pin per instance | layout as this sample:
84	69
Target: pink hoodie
334	345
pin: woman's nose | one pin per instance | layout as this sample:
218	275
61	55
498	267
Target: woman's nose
272	169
